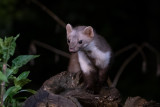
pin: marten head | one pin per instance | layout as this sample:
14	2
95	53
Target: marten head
78	37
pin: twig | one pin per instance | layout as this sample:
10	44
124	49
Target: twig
122	68
144	63
129	47
38	43
157	55
50	13
4	67
125	49
139	50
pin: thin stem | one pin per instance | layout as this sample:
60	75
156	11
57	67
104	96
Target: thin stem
54	16
122	69
127	61
4	67
46	46
155	51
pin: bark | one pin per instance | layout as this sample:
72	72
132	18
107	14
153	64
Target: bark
67	90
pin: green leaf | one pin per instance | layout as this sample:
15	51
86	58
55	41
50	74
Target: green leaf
22	82
10	44
8	47
3	77
10	71
11	78
22	60
11	92
28	90
23	75
21	98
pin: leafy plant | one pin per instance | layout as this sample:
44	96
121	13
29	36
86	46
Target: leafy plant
10	84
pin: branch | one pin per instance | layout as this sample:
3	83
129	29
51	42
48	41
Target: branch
144	63
139	50
49	12
125	49
122	68
38	43
66	89
157	55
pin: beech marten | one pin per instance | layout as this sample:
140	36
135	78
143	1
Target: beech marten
93	52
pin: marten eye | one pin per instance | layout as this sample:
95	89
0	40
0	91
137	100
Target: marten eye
80	42
68	40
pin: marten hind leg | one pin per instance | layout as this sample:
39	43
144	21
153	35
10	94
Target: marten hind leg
90	80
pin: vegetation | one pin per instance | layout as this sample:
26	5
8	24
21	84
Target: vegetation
10	82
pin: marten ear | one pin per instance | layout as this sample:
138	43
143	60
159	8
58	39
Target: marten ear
89	31
68	28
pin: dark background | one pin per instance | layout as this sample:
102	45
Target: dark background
121	22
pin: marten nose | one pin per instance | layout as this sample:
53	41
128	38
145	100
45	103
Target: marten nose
72	46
